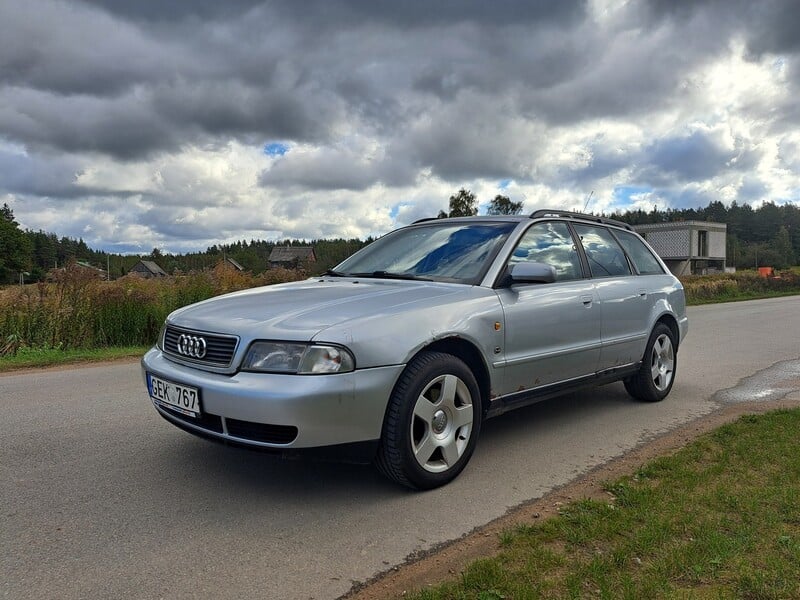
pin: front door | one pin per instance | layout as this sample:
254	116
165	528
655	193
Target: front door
552	330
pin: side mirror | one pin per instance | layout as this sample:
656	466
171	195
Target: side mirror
532	272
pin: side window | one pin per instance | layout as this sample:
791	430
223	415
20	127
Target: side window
642	257
604	254
550	243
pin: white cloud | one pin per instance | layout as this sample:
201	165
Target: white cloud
146	128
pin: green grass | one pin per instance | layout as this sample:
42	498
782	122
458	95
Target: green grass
44	357
718	519
740	297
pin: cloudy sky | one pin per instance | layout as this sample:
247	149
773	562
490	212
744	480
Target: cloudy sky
178	125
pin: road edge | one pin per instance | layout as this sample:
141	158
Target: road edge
447	560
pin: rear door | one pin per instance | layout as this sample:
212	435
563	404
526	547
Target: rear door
624	297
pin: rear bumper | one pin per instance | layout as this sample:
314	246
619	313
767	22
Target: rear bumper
282	412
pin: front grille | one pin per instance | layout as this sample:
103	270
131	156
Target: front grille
219	349
246	430
261	432
205	420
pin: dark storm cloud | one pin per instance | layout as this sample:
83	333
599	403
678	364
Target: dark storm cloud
108	83
125	128
326	170
767	25
776	27
39	176
691	158
477	136
333	14
70	49
606	160
159	11
697	157
238	110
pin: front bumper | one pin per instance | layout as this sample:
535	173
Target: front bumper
244	408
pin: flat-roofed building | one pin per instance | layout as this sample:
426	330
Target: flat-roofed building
688	247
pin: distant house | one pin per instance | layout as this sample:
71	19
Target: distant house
688	247
230	263
290	257
97	272
147	269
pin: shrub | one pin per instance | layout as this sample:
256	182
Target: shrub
744	284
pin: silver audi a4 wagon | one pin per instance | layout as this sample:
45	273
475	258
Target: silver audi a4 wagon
399	354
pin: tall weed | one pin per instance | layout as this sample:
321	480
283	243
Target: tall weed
76	310
732	286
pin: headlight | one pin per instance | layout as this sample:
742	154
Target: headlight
326	359
305	359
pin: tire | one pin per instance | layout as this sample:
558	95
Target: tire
432	422
654	380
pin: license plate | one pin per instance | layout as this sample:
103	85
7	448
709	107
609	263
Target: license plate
183	398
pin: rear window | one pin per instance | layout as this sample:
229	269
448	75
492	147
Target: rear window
640	254
606	258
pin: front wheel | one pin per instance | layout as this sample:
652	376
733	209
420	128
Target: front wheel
657	373
432	422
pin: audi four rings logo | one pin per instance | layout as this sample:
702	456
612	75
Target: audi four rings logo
192	346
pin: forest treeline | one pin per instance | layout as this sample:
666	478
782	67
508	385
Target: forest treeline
767	235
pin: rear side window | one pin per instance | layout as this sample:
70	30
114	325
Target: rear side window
640	255
605	256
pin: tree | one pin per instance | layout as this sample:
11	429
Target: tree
782	246
15	247
502	205
463	204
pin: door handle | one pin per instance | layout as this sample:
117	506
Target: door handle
587	300
643	293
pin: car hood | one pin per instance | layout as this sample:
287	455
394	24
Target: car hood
301	310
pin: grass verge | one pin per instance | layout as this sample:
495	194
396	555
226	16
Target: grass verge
44	357
720	518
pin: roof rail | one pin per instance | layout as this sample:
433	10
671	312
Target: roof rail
424	219
545	212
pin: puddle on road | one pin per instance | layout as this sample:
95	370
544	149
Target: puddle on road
773	383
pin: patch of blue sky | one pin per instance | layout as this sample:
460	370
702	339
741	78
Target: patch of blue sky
276	148
626	194
792	198
504	183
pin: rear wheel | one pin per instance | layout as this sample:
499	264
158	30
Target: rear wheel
432	422
656	375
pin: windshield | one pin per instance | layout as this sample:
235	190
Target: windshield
452	252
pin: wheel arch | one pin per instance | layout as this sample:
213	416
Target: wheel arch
469	354
671	322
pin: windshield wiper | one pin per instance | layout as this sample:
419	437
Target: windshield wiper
389	275
332	273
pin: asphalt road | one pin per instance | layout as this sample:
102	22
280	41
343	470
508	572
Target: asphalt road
101	498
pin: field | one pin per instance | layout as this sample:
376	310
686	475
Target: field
78	312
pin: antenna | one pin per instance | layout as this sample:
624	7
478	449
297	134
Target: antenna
589	197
